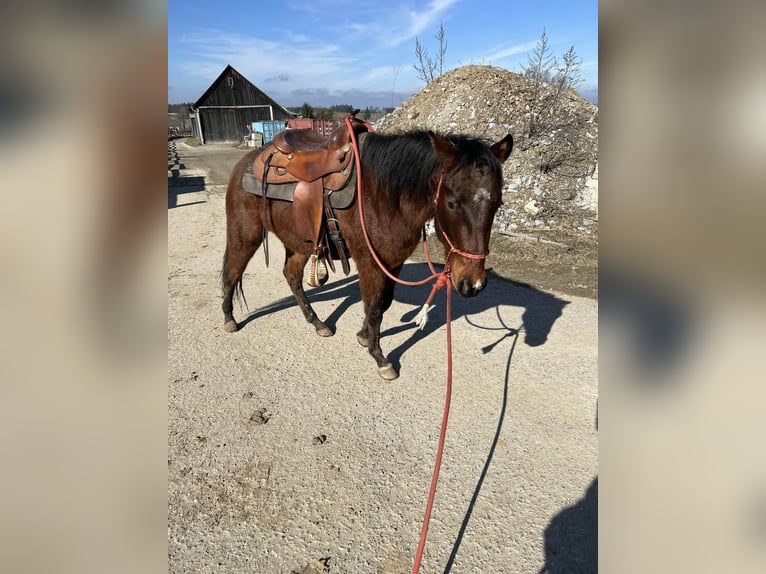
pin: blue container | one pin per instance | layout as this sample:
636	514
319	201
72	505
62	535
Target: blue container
269	129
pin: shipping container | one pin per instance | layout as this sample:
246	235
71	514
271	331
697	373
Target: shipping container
324	127
300	123
268	129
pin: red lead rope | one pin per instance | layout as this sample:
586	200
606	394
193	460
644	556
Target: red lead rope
442	280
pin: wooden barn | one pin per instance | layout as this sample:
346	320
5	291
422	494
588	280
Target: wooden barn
229	106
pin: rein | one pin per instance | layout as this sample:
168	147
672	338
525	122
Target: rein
441	280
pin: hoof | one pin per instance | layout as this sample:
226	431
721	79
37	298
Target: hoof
388	372
363	341
230	326
324	331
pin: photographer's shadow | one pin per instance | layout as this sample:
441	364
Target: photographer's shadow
541	309
571	538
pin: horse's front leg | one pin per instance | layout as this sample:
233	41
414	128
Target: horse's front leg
293	271
375	305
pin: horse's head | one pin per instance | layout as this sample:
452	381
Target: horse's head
470	194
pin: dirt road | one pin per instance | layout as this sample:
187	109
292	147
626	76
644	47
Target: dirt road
287	453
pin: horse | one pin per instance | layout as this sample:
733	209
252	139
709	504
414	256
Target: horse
406	179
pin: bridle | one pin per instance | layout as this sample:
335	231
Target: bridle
452	248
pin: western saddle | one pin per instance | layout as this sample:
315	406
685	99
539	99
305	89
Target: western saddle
317	167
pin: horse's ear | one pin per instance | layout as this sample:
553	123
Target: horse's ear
502	149
446	151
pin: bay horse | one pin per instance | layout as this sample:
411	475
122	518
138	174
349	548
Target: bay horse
407	179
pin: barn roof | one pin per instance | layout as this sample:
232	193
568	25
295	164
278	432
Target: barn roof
230	71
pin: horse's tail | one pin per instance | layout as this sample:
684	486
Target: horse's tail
239	293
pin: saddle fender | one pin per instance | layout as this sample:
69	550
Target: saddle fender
308	209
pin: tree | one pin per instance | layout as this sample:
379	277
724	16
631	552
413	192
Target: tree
307	111
323	114
342	108
549	81
541	61
182	108
429	68
555	134
570	74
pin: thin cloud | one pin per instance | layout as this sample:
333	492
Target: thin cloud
419	21
354	96
310	92
507	52
378	73
403	25
360	28
211	50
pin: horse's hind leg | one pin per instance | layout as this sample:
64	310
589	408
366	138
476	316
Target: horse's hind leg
293	271
235	259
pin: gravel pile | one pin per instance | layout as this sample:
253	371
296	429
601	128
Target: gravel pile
551	179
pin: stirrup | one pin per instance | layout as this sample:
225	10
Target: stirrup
318	272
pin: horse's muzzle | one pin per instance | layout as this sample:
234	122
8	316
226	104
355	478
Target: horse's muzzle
468	289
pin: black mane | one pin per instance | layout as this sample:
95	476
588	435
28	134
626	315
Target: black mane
404	163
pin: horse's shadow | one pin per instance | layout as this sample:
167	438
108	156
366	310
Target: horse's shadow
346	289
541	309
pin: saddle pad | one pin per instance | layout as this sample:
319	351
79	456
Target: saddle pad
341	199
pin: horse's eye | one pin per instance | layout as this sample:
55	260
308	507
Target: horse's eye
451	205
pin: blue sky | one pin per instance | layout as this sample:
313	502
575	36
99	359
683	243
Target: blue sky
362	52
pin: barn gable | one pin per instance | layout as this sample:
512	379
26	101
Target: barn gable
229	105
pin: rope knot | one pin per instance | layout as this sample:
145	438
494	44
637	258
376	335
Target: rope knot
442	280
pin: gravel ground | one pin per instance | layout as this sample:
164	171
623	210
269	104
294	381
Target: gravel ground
287	453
